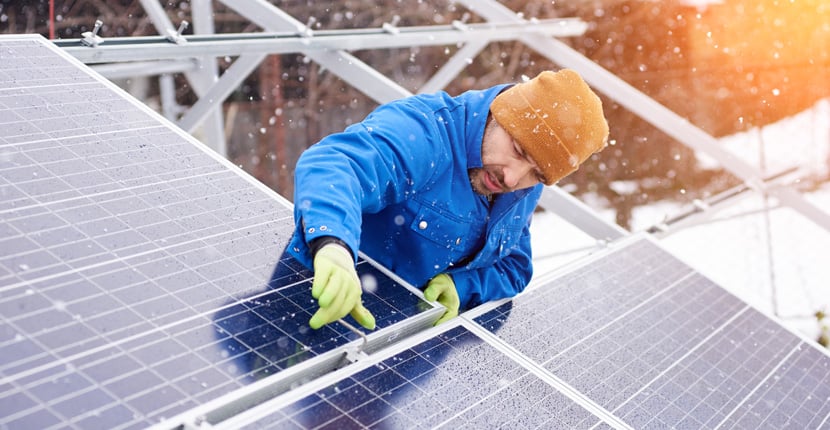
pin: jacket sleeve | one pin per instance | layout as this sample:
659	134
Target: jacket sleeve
506	277
504	266
362	169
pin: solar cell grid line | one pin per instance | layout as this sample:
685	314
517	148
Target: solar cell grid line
453	379
56	349
68	244
146	160
140	274
78	209
644	343
562	315
796	394
240	343
691	355
701	388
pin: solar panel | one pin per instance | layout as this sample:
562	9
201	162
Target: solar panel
454	379
140	275
658	345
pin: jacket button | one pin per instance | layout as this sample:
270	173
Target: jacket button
422	225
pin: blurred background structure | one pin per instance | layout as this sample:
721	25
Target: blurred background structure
730	68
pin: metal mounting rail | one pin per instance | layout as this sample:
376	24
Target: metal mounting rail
313	371
218	45
704	209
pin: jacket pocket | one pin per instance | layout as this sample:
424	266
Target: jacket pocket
444	231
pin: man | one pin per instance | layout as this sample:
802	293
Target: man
440	190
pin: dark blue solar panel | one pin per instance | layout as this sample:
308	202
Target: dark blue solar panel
455	380
139	275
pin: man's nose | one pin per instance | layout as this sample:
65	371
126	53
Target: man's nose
517	174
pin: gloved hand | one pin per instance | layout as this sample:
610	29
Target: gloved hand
337	288
442	289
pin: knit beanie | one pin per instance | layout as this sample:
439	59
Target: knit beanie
555	118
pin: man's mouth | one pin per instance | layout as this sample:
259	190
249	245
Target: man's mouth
491	182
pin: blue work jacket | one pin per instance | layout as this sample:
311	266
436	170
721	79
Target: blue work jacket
396	187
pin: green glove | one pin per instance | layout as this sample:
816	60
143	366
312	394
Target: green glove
337	288
442	289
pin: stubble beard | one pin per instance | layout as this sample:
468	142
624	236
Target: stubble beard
475	182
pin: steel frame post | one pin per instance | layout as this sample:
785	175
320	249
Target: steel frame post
233	76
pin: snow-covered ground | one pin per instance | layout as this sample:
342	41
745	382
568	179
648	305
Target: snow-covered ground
778	260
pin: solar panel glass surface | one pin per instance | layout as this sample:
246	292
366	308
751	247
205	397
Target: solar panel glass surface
140	275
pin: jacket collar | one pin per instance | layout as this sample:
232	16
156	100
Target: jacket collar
505	201
477	110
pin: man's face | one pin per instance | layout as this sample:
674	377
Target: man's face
505	166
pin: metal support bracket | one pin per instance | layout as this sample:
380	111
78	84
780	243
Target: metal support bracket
307	31
392	27
91	38
460	25
176	36
356	353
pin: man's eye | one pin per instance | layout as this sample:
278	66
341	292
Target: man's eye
518	150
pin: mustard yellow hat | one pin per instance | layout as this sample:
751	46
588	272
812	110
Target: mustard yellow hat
556	119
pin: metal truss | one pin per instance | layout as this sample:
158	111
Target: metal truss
195	56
